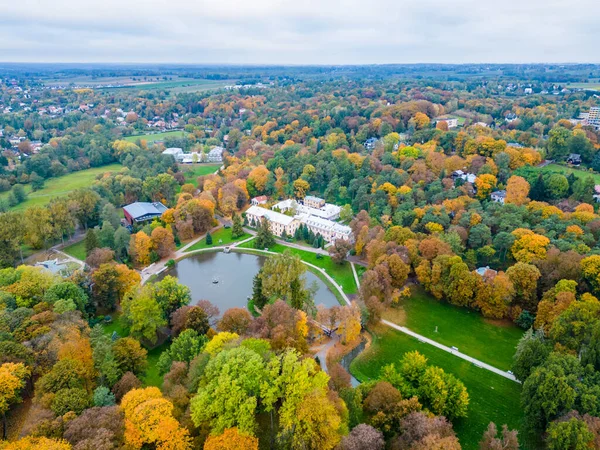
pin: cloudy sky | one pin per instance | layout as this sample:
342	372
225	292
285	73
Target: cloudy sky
300	31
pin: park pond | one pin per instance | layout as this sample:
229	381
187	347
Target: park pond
226	279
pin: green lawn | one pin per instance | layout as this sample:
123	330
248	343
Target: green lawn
186	85
459	327
76	250
341	273
57	187
222	234
193	171
151	137
588	86
579	173
492	397
153	377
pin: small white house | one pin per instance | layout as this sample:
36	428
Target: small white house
498	196
215	155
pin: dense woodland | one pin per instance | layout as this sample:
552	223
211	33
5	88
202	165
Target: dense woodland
241	379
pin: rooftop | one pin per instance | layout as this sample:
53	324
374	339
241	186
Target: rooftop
141	209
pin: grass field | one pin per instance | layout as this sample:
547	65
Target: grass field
492	397
222	234
76	250
493	343
56	187
588	86
180	85
153	377
191	172
152	137
579	173
341	273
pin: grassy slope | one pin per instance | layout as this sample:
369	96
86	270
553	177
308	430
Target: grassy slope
222	234
460	327
579	173
56	187
342	274
191	172
492	397
156	136
76	250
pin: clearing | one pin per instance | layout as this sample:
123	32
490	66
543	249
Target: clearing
60	186
153	137
193	171
493	342
492	397
76	250
222	234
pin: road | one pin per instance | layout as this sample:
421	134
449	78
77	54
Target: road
478	363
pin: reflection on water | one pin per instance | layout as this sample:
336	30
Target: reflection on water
226	279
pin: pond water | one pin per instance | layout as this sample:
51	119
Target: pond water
234	273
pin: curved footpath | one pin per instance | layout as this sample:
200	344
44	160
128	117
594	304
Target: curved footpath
478	363
160	266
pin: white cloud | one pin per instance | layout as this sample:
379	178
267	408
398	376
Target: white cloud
299	31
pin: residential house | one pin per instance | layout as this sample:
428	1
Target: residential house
465	176
486	271
511	117
370	143
260	200
140	212
574	159
452	122
498	196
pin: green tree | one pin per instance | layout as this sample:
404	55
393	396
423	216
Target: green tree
572	434
184	348
170	294
264	235
103	397
144	314
121	242
110	215
209	239
91	241
130	356
106	235
532	351
258	297
229	396
237	230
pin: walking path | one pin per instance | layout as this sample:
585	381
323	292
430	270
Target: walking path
321	353
355	275
478	363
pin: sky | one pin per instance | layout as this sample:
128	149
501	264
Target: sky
300	31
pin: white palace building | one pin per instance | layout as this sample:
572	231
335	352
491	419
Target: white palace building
314	213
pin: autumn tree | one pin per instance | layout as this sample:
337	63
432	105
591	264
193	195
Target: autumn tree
524	278
363	437
130	356
231	439
339	250
301	188
149	420
485	183
517	190
163	241
12	380
235	320
258	178
491	440
140	248
529	245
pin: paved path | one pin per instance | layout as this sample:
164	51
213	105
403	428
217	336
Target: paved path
355	275
321	352
478	363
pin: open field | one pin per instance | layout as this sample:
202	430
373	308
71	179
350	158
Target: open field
492	397
222	234
152	137
76	250
153	376
178	85
341	273
193	171
578	172
489	341
56	187
588	86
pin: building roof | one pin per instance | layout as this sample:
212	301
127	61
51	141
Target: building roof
272	216
216	151
173	151
139	210
261	198
313	198
501	194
